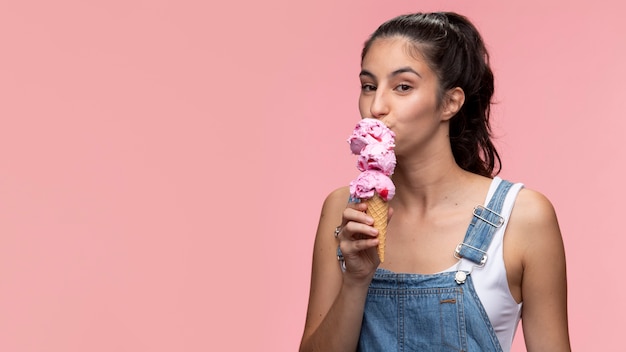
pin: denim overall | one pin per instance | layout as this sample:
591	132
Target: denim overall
438	312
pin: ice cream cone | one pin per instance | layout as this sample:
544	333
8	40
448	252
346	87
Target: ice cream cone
378	209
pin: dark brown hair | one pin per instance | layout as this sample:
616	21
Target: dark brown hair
455	51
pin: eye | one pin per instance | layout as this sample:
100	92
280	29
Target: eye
403	88
368	87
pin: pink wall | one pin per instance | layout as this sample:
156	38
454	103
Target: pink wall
163	163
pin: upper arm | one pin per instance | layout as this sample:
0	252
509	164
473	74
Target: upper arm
326	277
544	282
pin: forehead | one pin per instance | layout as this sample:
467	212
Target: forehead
393	52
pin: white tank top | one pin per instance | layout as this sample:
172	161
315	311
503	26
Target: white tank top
490	281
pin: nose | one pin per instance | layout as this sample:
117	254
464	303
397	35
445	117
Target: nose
379	107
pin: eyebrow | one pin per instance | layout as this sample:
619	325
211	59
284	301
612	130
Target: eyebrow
394	73
405	69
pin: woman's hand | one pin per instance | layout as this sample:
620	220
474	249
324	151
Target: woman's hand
358	240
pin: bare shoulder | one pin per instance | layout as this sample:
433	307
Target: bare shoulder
533	226
533	211
337	199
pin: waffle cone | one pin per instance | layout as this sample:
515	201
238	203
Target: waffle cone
378	209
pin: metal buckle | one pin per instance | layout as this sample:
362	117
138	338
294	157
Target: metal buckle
457	253
500	218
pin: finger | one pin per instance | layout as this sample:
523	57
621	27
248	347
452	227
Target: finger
358	215
356	231
349	248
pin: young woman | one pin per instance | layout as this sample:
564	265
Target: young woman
467	253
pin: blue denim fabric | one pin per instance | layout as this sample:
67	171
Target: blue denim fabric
413	312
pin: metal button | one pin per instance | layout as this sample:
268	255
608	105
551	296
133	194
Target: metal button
460	277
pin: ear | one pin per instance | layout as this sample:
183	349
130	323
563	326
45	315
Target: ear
453	101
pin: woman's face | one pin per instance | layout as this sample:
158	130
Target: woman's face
400	89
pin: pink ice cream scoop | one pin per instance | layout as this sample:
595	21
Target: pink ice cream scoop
370	182
370	131
377	156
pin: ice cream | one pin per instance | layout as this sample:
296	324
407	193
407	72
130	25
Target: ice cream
371	182
378	157
370	131
373	142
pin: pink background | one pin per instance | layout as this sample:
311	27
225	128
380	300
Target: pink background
163	163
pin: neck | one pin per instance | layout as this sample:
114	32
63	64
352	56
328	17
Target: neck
428	183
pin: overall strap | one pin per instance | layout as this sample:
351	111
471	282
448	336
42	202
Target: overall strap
484	224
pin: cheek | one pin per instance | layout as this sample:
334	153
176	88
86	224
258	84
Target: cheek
418	110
